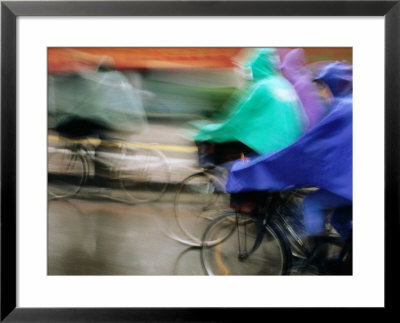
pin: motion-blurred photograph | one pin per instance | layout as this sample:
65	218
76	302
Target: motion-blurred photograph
200	161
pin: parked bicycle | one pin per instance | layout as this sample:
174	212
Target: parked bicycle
142	171
265	236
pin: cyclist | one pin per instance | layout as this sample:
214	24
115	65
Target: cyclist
267	117
94	103
321	158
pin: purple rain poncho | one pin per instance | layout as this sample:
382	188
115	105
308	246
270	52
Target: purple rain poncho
321	158
294	68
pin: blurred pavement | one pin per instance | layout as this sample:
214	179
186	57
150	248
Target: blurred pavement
107	238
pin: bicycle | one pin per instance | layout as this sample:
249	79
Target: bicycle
142	171
270	240
199	198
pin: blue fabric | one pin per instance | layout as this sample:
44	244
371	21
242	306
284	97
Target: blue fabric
314	213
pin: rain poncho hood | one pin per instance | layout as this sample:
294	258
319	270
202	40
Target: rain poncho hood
268	117
338	77
320	158
264	64
294	68
104	97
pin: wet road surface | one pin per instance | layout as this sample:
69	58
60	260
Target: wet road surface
107	238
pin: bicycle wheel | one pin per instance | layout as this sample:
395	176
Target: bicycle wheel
144	174
234	250
196	204
66	172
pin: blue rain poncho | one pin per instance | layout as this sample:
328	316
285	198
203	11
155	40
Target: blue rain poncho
268	117
320	158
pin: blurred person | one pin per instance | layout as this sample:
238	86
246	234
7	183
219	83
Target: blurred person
266	117
95	103
294	68
322	158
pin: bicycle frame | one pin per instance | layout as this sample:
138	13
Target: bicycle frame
89	156
257	242
270	212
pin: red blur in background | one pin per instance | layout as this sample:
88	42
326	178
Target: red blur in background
75	59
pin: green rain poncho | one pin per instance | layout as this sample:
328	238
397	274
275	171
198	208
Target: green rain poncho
268	117
105	97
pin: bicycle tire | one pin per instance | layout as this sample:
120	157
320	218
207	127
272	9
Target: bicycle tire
144	174
196	204
271	257
67	172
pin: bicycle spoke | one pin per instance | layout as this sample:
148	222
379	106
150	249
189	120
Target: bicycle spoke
245	252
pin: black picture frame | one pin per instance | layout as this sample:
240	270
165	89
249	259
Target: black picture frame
11	10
